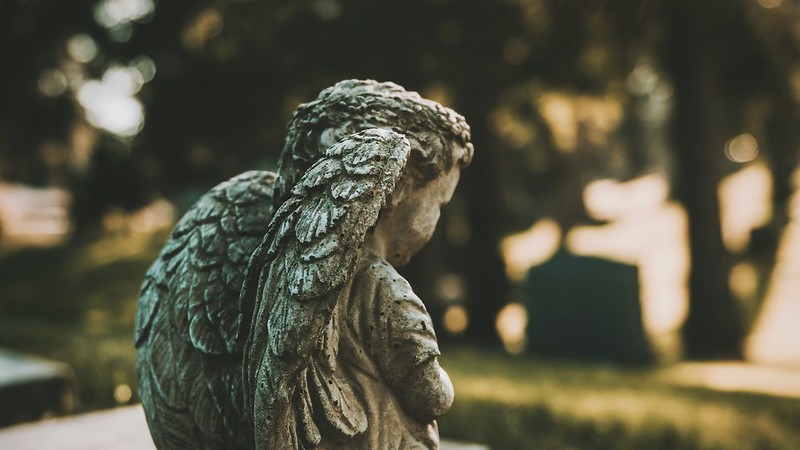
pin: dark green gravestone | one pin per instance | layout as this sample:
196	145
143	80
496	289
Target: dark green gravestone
585	308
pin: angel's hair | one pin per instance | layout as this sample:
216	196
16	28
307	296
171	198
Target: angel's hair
440	137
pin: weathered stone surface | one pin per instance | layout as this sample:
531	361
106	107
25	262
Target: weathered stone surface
292	329
31	387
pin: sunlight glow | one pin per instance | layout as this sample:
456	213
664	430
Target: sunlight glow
566	114
736	376
653	238
516	131
608	199
158	215
560	115
529	248
114	13
110	103
775	337
649	231
646	230
510	324
745	203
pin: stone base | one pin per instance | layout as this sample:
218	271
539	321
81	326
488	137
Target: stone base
119	429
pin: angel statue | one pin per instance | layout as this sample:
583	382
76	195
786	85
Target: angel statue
274	317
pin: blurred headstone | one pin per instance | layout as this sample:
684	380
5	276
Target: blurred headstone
586	308
32	216
32	387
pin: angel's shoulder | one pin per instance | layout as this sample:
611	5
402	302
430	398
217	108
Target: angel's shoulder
380	281
373	269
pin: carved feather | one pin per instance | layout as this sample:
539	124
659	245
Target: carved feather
295	280
188	319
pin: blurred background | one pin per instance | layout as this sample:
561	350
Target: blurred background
619	268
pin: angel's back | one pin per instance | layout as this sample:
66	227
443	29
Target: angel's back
187	322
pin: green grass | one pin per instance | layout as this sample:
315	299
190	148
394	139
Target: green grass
76	304
525	403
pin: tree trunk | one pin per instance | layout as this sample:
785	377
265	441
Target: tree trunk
702	121
487	286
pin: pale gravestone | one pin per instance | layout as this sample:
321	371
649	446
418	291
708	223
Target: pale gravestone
292	329
33	387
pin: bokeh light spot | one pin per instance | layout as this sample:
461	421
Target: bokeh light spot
643	78
742	148
450	287
113	13
82	48
205	25
122	393
110	104
121	33
510	324
52	83
145	66
456	319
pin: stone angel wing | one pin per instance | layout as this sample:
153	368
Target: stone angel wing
187	321
295	279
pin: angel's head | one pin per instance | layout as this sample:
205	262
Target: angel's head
439	137
408	220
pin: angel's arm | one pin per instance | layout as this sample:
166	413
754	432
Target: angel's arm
426	392
409	350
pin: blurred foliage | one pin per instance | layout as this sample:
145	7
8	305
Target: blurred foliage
558	93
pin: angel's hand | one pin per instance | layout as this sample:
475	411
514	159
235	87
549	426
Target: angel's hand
426	392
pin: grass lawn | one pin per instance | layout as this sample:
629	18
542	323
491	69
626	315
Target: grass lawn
526	403
76	304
